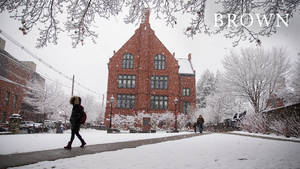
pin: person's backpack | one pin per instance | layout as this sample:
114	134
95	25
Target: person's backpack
83	116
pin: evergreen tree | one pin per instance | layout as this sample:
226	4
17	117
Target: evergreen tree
205	87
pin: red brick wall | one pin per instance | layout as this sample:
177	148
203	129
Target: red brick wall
16	73
13	90
144	45
19	75
188	81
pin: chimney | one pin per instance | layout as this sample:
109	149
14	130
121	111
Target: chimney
146	15
190	57
2	43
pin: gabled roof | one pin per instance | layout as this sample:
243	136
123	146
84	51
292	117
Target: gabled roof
185	66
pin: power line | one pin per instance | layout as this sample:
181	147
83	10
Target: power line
29	70
15	42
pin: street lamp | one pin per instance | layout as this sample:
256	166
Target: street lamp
111	103
175	102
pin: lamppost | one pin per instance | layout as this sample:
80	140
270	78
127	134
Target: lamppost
111	103
175	102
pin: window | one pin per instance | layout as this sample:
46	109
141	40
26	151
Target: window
15	99
127	62
159	102
6	98
159	62
126	81
186	107
125	101
186	92
159	82
3	118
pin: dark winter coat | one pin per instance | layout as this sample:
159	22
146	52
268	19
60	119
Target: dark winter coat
200	120
76	116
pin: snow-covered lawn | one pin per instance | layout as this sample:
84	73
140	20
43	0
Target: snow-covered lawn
213	151
34	142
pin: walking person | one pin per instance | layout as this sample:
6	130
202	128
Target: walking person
195	127
75	120
200	122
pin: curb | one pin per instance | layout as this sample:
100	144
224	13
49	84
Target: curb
265	137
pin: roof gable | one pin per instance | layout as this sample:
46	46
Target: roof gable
185	66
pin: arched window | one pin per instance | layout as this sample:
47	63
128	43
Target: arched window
127	61
159	62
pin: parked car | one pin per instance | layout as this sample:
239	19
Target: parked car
49	124
38	127
27	124
3	129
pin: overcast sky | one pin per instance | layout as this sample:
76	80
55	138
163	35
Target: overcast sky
89	62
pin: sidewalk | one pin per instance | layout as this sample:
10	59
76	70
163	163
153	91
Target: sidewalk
20	159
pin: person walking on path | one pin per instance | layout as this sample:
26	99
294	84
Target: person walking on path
200	122
76	120
195	127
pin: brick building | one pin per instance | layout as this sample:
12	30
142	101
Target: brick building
145	77
13	77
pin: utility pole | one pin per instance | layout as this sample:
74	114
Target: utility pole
73	85
102	102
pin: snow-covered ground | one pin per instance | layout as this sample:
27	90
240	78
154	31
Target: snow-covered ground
10	144
213	151
268	135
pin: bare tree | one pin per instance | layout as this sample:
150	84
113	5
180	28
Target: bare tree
221	104
296	78
48	101
48	15
92	108
255	74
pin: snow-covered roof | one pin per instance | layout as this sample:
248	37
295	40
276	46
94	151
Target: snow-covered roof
9	81
17	84
185	66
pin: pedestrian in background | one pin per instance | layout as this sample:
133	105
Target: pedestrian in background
200	122
195	127
76	120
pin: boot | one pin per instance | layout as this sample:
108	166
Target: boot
83	143
68	147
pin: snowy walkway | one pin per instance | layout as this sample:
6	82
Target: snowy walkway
211	151
23	143
20	159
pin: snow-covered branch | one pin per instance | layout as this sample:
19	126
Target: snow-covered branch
256	74
48	15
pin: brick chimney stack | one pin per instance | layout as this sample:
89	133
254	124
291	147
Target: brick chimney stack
146	15
190	57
